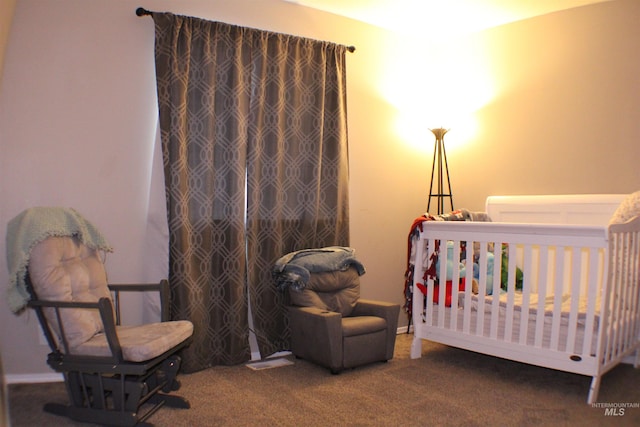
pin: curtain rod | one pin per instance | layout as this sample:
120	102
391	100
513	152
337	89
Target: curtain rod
141	11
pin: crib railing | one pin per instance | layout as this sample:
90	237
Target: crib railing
577	308
519	324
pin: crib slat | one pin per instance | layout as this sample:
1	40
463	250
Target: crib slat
557	299
526	293
456	278
626	285
616	279
442	280
576	266
542	294
604	350
511	289
429	312
466	322
482	288
632	296
595	281
623	339
418	302
617	304
628	320
496	288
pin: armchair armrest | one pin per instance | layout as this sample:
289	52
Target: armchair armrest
162	287
382	309
105	308
316	335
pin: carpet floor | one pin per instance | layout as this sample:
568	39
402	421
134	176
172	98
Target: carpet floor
445	387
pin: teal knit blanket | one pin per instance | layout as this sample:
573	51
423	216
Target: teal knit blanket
34	225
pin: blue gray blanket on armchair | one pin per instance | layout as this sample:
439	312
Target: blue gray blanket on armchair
293	269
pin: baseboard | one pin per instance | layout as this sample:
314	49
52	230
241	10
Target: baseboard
403	330
33	378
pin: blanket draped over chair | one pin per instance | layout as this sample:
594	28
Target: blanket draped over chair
293	269
32	226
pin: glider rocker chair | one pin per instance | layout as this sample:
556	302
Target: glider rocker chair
333	327
114	375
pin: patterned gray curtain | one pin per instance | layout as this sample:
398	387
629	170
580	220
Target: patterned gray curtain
254	141
297	166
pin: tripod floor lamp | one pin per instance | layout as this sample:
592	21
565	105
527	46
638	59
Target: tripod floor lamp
437	173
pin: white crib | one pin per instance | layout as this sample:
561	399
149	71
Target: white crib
578	307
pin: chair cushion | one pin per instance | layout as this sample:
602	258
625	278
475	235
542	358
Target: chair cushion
336	291
359	325
63	269
140	343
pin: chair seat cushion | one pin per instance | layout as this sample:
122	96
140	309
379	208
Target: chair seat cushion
139	343
359	325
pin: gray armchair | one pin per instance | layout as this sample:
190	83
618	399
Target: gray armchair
333	327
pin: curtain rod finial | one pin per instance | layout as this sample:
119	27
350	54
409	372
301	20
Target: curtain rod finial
142	11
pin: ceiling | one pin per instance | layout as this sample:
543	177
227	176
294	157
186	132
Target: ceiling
443	16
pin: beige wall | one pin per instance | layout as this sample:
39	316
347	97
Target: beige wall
565	118
546	105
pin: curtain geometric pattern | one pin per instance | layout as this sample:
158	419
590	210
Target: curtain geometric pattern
297	166
254	143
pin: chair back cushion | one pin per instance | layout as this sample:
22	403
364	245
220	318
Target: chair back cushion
336	291
63	269
628	208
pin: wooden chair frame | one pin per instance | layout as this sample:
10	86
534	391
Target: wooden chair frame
110	390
